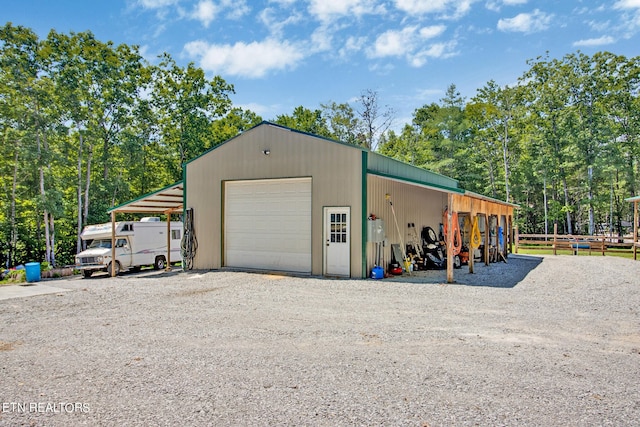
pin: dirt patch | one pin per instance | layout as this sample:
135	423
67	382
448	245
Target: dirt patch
8	346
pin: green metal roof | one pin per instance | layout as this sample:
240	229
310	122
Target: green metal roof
633	199
390	168
167	199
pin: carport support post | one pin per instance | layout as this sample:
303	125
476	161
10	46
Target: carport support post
168	266
470	248
487	237
113	244
450	238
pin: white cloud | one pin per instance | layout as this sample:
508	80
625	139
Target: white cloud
403	42
205	12
156	4
627	4
599	26
235	8
421	7
351	46
394	43
432	31
251	60
496	5
410	44
321	39
327	10
436	50
276	24
526	22
600	41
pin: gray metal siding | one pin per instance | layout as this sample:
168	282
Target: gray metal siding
336	176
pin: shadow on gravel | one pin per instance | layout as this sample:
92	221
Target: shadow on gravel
132	274
496	275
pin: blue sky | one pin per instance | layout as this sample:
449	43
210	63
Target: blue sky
280	54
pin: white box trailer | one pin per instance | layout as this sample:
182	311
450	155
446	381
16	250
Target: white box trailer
138	244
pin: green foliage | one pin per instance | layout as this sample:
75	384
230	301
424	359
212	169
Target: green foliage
569	130
87	125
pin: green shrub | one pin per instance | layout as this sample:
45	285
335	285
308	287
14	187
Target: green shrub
16	276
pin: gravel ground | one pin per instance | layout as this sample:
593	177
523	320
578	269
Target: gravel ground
538	341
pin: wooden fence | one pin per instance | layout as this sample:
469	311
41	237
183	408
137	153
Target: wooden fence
576	244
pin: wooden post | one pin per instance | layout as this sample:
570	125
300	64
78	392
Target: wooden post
555	238
517	237
471	250
487	238
510	226
168	266
604	248
113	244
450	238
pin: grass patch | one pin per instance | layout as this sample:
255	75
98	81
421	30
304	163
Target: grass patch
582	252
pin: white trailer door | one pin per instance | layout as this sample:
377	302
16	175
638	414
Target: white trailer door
267	224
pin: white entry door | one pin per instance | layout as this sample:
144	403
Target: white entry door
337	250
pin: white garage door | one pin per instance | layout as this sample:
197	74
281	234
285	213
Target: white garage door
267	224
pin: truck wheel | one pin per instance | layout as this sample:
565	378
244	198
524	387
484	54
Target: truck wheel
160	263
117	268
87	273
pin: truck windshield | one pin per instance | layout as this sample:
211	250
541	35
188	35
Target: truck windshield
100	243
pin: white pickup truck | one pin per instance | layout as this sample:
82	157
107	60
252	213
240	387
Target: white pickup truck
138	243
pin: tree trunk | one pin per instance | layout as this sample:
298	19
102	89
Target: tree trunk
590	197
87	185
43	195
79	240
505	157
566	204
53	241
546	208
14	230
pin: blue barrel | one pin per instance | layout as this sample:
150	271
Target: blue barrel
377	273
33	271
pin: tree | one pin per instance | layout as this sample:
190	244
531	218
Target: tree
342	122
493	111
305	120
28	94
375	122
235	122
186	103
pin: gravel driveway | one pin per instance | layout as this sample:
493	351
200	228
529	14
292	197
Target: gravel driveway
551	341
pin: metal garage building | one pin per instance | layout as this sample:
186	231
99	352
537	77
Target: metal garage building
278	199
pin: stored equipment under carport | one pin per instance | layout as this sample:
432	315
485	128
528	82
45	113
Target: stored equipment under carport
405	260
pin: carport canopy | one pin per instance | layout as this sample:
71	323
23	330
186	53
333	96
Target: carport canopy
167	200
